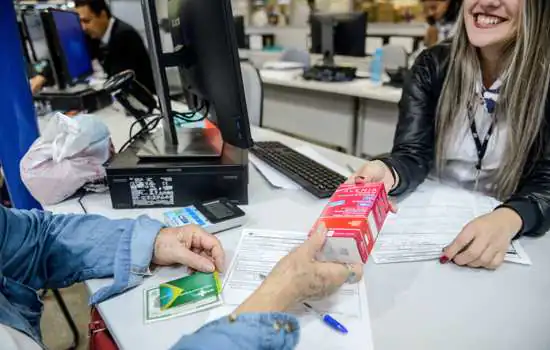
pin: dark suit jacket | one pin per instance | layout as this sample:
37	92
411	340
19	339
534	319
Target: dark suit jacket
125	50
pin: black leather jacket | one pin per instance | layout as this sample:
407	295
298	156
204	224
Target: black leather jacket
413	153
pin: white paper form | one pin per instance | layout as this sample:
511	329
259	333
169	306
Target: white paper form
428	220
257	253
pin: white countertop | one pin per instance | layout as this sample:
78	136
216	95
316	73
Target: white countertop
415	29
362	88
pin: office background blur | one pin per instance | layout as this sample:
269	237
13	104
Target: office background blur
286	19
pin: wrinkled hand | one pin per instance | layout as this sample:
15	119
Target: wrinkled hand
191	246
311	278
375	171
299	276
484	241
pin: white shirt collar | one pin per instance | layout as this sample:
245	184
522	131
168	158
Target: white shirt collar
107	36
492	90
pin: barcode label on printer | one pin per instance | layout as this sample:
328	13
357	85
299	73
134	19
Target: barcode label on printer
147	191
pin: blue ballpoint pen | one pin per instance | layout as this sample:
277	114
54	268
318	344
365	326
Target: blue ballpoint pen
326	318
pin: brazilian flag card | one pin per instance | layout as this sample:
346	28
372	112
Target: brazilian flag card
196	290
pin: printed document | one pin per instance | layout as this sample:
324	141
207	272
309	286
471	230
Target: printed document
257	253
429	219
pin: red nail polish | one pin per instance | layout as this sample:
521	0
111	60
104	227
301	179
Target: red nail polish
443	259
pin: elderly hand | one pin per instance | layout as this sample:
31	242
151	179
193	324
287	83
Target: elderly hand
299	276
484	241
191	246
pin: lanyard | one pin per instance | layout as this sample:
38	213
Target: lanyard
481	146
489	98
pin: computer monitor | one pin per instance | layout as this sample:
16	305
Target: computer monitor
208	60
338	34
68	47
26	52
37	46
239	31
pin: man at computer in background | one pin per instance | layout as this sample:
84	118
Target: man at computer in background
116	44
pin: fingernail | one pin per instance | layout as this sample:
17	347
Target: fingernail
443	259
359	180
209	268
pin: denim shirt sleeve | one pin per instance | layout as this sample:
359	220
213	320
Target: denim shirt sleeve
43	250
273	331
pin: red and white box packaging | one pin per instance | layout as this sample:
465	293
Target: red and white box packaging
353	218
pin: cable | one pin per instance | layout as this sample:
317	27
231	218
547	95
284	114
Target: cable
80	198
139	120
189	120
151	125
192	112
207	110
187	117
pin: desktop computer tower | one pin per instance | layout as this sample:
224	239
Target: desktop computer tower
137	183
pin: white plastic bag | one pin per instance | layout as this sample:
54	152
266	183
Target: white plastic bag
70	153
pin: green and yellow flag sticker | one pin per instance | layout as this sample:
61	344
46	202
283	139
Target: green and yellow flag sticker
191	289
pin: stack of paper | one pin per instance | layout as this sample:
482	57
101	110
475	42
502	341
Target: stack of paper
428	220
258	251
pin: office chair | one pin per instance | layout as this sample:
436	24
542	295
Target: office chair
254	92
405	42
395	61
394	57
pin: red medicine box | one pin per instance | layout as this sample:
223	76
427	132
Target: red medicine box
353	217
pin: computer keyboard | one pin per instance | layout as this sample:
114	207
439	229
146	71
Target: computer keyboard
330	73
312	176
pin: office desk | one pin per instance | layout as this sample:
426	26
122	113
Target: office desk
260	57
416	306
357	116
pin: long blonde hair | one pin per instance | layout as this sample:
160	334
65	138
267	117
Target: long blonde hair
523	95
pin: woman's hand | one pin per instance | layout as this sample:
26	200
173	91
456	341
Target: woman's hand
191	246
299	276
484	241
376	171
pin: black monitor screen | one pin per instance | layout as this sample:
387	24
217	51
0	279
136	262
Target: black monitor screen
348	33
239	31
211	67
72	42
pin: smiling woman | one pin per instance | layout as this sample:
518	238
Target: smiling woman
476	113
